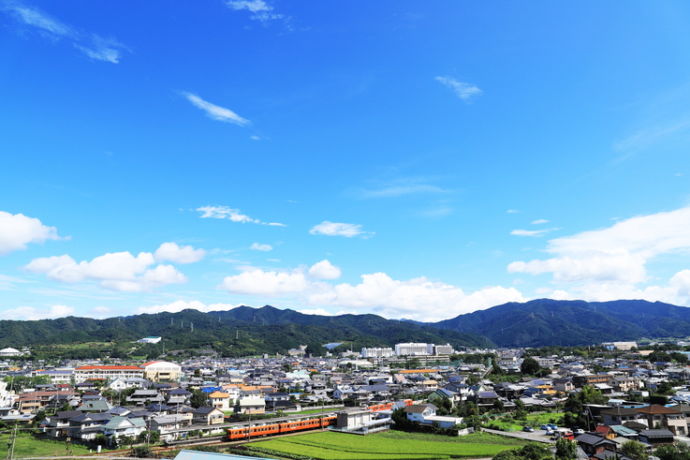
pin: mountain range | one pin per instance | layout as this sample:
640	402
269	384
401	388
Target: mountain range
545	322
246	330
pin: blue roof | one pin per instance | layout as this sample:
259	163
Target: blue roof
210	389
197	455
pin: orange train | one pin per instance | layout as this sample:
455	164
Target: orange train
269	429
387	406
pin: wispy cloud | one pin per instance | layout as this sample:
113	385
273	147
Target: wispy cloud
512	211
216	112
532	233
401	187
92	45
465	91
329	228
233	215
102	49
259	10
646	137
540	222
261	247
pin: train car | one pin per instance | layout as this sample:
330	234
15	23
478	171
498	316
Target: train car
389	406
288	426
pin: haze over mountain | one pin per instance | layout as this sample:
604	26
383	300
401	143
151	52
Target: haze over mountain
246	330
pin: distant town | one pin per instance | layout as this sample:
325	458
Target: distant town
623	400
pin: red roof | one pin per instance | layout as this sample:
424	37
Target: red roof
149	363
109	368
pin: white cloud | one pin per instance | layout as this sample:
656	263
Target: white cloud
324	270
512	211
33	313
92	45
259	10
532	233
18	230
619	252
39	19
233	215
102	49
216	112
402	187
267	283
120	271
540	222
180	305
261	247
418	298
338	229
464	91
171	252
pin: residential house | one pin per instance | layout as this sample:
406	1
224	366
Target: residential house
220	400
593	444
671	418
250	404
168	425
118	427
656	437
57	426
208	416
87	426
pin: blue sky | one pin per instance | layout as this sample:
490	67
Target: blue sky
409	159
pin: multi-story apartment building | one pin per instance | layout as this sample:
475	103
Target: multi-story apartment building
413	349
446	349
377	352
107	373
162	371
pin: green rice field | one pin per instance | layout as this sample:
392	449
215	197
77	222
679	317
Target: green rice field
386	445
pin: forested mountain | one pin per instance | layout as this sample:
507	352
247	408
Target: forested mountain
246	331
560	322
236	332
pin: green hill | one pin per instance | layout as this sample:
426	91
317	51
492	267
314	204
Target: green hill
238	332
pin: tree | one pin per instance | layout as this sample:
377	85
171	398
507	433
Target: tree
566	449
531	451
529	366
575	416
198	399
635	450
673	452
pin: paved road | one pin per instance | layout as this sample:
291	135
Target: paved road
537	435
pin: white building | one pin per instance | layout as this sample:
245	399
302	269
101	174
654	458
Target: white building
446	349
413	349
377	352
622	346
107	373
162	371
150	339
58	376
10	353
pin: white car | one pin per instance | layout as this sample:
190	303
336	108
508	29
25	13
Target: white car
579	431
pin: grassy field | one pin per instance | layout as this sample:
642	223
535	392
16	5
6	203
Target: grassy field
534	420
386	445
28	446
